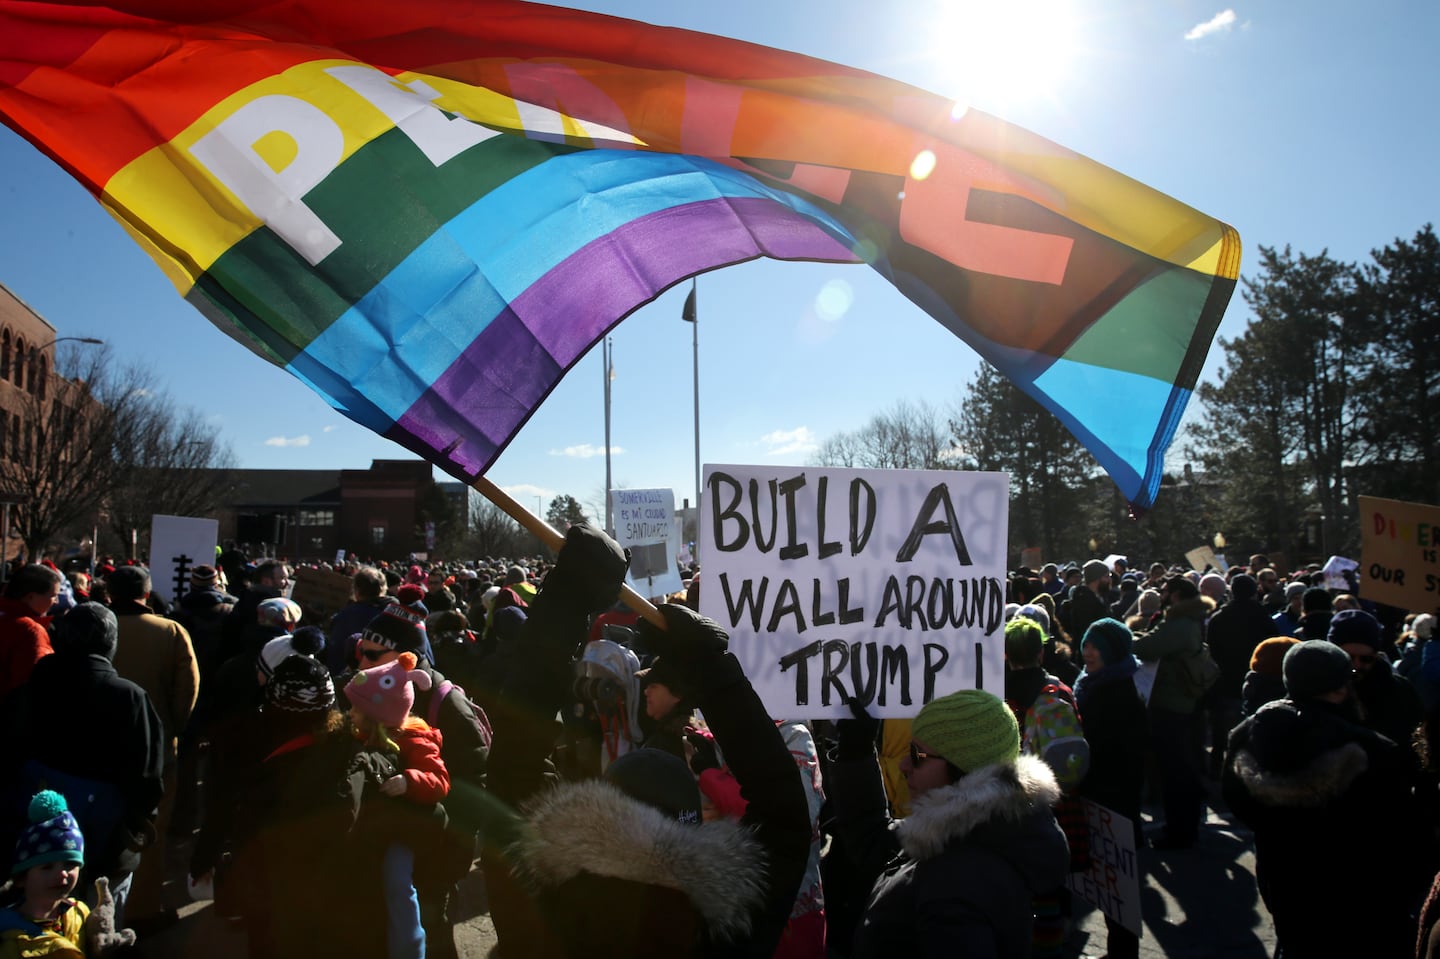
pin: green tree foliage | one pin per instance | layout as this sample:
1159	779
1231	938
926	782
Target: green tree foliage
564	512
1329	393
1000	427
1397	375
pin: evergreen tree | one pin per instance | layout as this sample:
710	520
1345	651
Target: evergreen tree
1397	391
1003	428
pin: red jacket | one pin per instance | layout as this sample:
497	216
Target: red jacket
426	778
24	641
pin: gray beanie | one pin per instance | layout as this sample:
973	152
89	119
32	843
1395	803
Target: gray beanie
1093	570
1314	668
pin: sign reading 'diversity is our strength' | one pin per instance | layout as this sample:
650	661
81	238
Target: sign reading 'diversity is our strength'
885	585
1400	553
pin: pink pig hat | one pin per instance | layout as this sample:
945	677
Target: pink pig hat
387	693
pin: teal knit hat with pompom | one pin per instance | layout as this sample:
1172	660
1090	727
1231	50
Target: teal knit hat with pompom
52	836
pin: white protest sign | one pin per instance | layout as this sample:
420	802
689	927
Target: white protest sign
177	545
645	525
1112	883
885	585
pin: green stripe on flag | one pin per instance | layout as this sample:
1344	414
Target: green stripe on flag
382	203
1149	331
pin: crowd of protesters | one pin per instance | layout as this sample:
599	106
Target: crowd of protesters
328	775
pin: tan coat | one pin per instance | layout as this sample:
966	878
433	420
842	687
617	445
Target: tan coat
155	654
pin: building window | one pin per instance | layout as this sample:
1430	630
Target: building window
34	370
20	363
44	375
315	517
377	535
5	355
317	543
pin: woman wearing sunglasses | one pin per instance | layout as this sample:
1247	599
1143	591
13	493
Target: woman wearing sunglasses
958	874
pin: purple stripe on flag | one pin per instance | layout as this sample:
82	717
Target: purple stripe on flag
520	356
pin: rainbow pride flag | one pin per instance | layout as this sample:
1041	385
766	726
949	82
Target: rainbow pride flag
428	211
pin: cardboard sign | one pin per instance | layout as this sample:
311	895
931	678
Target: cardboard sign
321	592
885	585
645	525
1400	554
1201	558
1112	883
177	545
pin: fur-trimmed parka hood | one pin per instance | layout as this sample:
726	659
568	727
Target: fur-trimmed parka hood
1196	608
592	827
1004	792
1299	755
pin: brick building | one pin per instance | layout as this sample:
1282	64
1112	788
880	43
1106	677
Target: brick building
312	514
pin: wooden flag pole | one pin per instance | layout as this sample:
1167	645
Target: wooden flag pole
555	540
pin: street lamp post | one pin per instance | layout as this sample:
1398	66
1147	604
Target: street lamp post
74	339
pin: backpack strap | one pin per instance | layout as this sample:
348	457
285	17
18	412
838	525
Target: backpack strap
437	696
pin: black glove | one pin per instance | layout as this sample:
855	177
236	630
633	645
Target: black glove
688	639
589	571
704	756
855	738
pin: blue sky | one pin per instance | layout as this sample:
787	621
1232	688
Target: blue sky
1304	124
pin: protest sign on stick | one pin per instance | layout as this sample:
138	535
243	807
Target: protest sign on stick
645	525
177	545
1112	883
884	585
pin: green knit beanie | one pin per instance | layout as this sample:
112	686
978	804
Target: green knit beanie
971	729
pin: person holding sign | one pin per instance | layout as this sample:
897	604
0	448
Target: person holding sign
623	866
1113	716
980	841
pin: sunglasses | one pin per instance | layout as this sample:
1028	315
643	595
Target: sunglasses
917	757
371	655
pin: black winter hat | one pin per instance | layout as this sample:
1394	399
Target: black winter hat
1315	667
1355	626
658	779
300	685
1244	587
1316	599
398	627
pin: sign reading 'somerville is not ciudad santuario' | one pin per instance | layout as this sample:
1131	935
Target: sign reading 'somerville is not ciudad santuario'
884	585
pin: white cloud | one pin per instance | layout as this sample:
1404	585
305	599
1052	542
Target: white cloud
790	442
331	429
586	451
301	440
1223	20
525	491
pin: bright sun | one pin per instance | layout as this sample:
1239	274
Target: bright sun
999	53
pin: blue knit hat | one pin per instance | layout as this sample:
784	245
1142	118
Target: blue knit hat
1111	637
52	836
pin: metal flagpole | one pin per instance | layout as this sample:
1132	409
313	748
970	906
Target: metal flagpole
609	354
691	315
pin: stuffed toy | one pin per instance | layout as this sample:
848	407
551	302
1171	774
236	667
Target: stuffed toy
100	935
